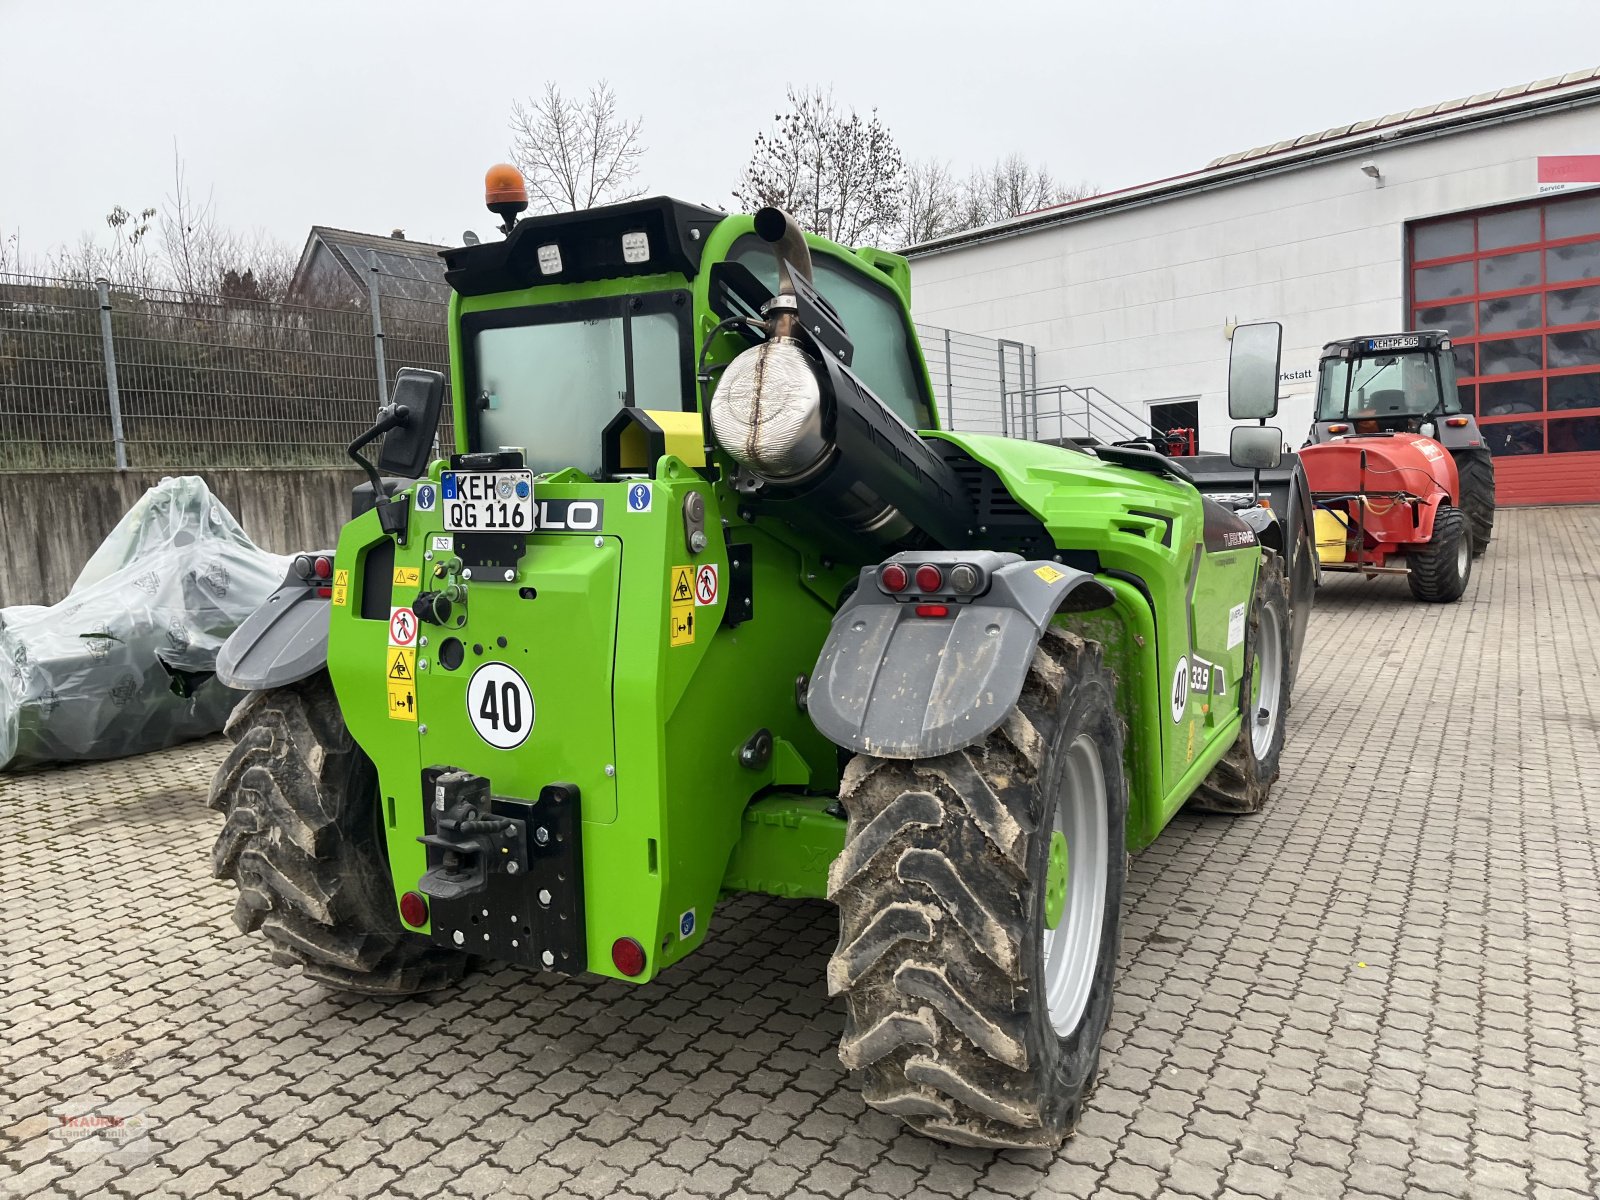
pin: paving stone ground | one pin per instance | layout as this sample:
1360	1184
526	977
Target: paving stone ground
1387	985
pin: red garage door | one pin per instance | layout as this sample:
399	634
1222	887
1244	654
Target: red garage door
1519	288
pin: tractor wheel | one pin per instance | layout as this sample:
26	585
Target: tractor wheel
1440	570
1476	469
979	900
1241	781
303	844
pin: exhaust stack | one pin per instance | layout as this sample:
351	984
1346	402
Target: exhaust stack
804	427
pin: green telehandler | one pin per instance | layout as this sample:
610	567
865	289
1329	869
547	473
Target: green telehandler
704	600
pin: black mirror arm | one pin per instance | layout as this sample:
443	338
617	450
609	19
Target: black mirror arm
391	513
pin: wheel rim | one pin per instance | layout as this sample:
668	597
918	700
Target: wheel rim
1078	842
1266	683
1463	556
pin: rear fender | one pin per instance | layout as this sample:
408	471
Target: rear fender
282	642
896	685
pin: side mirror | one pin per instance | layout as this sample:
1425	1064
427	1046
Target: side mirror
1253	371
409	445
1256	447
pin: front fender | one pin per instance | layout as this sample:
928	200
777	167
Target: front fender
896	685
282	642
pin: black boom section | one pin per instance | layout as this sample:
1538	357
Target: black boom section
589	246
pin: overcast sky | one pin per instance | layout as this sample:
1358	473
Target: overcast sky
371	114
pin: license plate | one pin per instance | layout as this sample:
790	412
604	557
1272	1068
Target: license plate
487	501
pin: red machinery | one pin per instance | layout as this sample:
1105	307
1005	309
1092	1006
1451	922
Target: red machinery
1386	496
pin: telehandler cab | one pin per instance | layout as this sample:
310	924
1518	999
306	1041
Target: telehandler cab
704	600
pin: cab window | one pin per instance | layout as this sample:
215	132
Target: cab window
874	319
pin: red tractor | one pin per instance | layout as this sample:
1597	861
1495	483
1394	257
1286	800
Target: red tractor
1400	476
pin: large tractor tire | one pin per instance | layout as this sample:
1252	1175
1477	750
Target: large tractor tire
1440	570
1476	470
1241	782
303	844
979	898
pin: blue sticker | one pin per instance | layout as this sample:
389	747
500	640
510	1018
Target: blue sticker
639	498
427	497
522	489
686	924
449	482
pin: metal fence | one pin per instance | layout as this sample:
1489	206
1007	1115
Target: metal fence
95	375
111	376
1084	413
983	385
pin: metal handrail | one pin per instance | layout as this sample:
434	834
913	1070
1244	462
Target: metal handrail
1076	411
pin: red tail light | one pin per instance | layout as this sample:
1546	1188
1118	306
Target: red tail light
1456	422
930	579
628	957
414	909
933	610
894	578
323	567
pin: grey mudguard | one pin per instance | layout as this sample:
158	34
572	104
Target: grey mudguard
896	685
284	640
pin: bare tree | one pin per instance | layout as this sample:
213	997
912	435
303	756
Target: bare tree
838	174
1011	187
576	154
932	202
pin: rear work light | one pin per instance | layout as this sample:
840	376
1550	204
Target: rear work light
894	578
1456	422
930	580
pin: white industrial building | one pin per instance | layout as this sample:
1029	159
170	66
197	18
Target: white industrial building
1474	215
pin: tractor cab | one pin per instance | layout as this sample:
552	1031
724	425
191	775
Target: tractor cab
1393	383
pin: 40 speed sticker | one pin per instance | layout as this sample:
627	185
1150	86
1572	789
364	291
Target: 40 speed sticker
500	706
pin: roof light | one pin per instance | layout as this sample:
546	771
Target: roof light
550	259
635	247
628	957
930	580
893	578
504	193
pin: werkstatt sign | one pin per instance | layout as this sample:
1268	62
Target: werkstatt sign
1558	172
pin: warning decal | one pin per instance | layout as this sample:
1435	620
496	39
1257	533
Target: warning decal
705	584
680	606
679	589
408	577
341	588
402	627
402	666
402	701
1047	573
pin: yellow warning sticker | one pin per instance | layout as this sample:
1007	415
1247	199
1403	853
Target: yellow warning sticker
680	586
402	701
402	666
680	624
1048	574
408	577
341	588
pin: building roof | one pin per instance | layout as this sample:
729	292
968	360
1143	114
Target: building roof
406	269
1529	99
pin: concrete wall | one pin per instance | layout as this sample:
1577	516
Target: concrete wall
52	521
1137	302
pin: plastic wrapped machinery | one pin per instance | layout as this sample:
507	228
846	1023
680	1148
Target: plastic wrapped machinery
123	664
